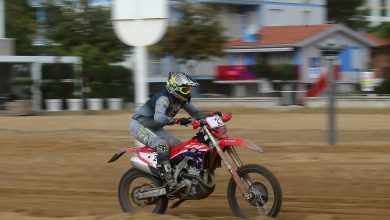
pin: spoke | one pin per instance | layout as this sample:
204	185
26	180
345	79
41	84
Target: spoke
263	195
248	179
260	209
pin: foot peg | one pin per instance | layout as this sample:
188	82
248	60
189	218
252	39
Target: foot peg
178	188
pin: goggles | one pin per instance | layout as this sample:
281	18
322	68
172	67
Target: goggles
183	90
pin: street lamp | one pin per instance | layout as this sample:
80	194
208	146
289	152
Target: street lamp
140	24
330	51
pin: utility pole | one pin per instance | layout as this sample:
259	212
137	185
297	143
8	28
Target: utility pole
330	51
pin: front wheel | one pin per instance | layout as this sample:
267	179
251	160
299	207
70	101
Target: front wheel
263	197
135	181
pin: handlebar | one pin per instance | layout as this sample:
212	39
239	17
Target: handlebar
196	123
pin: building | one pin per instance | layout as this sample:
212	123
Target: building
298	45
379	11
380	56
242	18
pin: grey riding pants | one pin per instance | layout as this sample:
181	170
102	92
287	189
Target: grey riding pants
157	139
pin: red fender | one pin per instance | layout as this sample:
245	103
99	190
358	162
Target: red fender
240	142
123	150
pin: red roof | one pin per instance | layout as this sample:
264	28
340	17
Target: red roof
376	39
280	35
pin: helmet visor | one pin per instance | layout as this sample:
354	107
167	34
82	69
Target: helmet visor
184	90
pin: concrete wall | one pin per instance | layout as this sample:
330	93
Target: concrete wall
236	102
351	102
317	102
161	68
284	13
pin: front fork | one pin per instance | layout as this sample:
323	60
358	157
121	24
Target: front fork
236	160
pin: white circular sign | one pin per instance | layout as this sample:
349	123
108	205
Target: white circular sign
139	23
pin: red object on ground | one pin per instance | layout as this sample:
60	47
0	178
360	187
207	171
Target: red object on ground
321	83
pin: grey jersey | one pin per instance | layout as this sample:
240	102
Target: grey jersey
161	109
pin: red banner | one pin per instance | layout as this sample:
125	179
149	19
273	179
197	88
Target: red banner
234	73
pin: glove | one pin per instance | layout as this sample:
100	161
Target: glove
183	121
216	113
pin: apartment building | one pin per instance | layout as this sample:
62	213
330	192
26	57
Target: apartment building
379	11
244	18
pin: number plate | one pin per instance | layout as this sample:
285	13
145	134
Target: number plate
214	121
150	157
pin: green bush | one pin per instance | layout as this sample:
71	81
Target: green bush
384	87
21	87
109	81
282	71
21	81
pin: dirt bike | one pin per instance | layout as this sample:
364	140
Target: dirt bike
253	190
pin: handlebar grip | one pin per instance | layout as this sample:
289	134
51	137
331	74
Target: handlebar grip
195	124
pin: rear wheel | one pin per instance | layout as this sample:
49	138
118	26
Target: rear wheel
264	195
135	181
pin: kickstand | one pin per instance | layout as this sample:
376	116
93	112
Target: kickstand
177	203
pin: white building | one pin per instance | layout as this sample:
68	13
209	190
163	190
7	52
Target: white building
379	11
243	18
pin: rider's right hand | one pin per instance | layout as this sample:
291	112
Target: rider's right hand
183	121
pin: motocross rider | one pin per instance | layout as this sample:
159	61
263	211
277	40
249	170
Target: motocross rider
148	121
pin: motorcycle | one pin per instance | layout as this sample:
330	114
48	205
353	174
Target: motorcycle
252	190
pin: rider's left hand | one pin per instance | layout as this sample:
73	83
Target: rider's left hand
183	121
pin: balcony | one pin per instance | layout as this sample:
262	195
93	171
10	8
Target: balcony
235	2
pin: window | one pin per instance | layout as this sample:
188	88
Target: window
383	8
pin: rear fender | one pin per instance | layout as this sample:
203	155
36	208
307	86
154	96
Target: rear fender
240	142
122	151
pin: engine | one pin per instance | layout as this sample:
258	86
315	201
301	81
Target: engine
200	183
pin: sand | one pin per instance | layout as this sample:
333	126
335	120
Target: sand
54	166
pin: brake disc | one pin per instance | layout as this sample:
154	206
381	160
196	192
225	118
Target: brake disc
259	194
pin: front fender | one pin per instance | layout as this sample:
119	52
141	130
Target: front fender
239	142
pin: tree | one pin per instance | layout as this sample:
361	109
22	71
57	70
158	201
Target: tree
348	12
79	29
20	25
84	30
382	30
198	35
